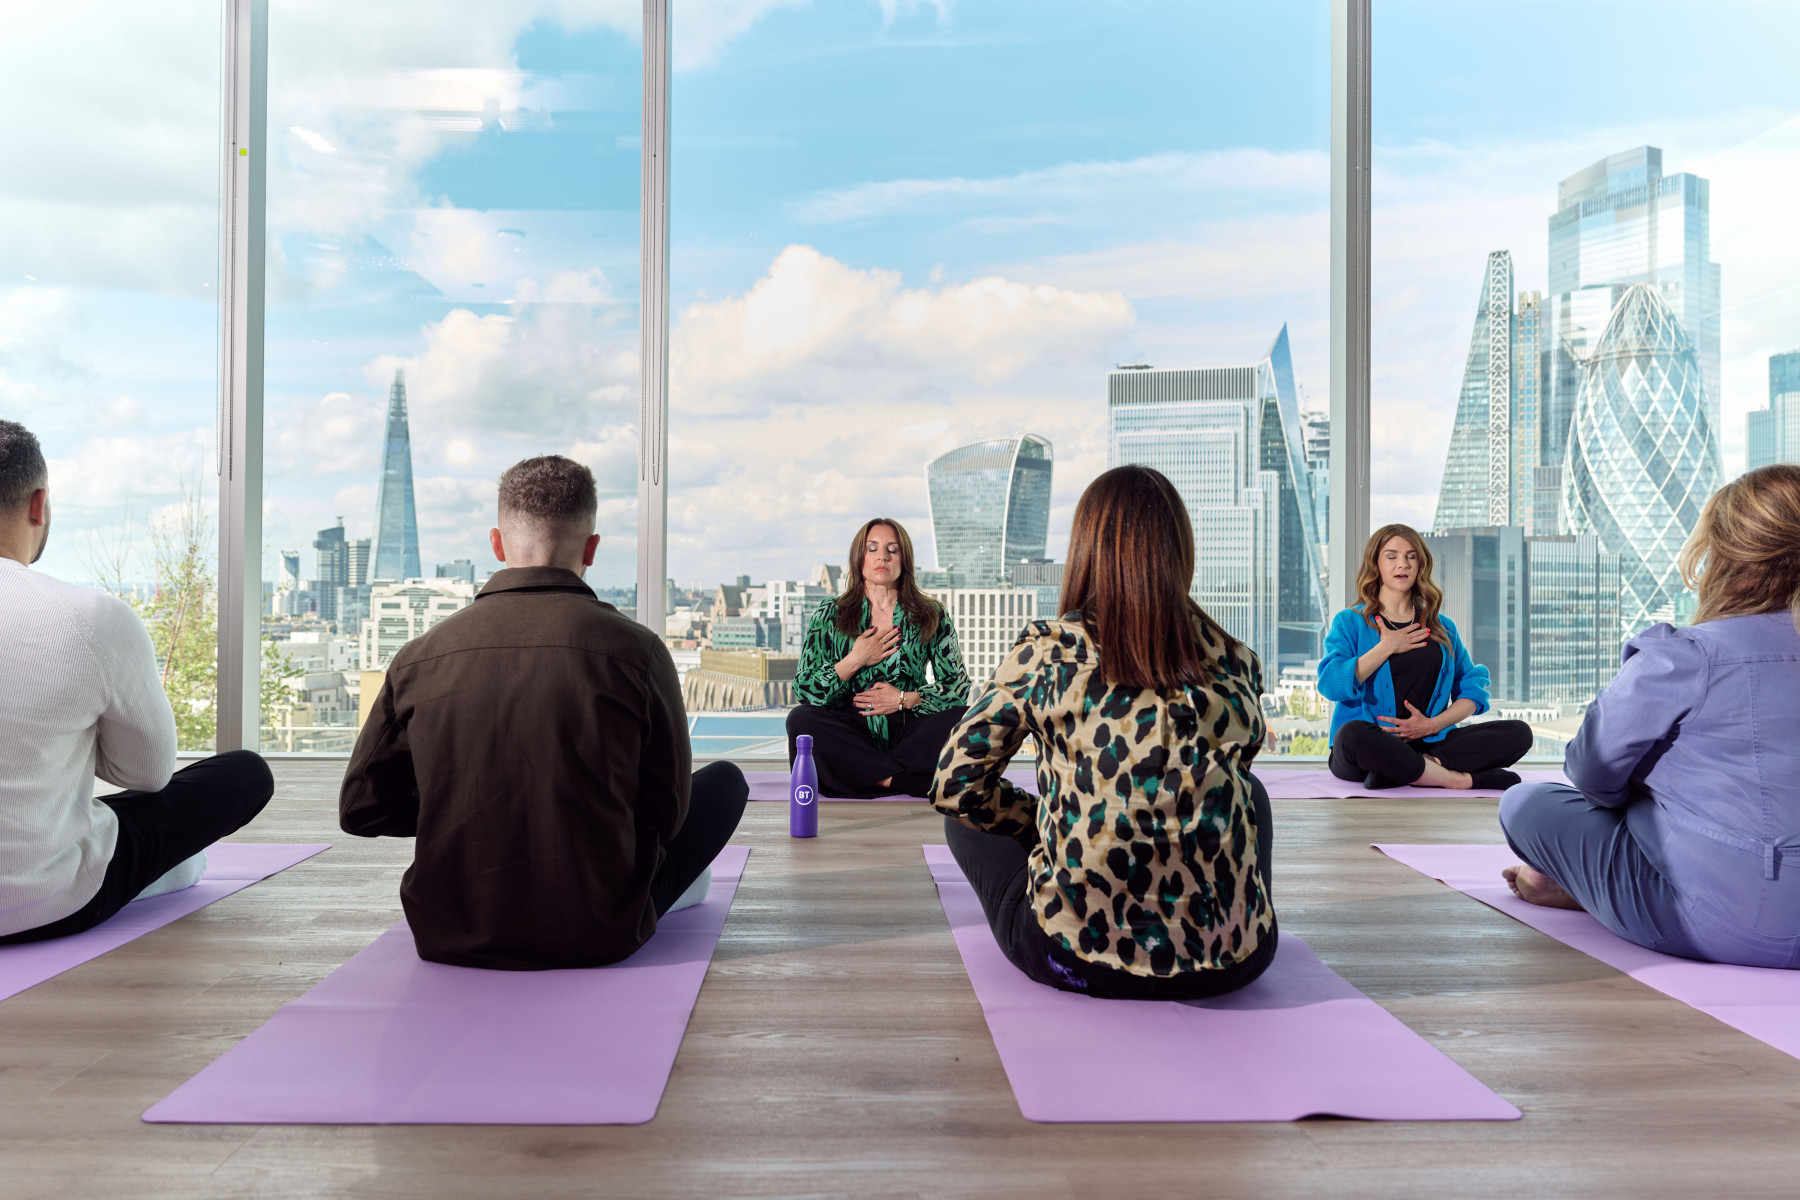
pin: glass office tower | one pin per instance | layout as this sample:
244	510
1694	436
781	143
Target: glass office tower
1232	442
1618	223
396	553
990	507
1478	485
1529	364
1642	457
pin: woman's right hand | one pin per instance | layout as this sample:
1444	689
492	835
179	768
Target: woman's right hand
872	646
1407	637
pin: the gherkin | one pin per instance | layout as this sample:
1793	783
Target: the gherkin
1641	459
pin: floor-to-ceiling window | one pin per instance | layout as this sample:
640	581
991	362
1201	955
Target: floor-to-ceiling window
1585	281
947	262
453	206
109	236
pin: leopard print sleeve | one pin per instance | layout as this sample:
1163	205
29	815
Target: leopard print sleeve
970	784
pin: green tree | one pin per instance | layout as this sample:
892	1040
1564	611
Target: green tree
276	694
181	614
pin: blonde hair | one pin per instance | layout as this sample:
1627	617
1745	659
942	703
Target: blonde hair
1744	555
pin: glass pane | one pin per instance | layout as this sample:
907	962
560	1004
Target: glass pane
453	284
1582	290
933	297
109	246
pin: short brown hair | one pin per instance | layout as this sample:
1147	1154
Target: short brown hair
550	490
1131	565
1744	555
22	468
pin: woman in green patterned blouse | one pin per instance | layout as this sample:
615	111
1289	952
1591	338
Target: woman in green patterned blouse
877	719
1141	868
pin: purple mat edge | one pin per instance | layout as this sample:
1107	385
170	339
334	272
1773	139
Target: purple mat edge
160	1112
146	916
1283	783
1482	1103
1681	979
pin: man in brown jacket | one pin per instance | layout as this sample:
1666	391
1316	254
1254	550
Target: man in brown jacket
535	746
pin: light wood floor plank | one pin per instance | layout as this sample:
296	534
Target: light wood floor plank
837	1048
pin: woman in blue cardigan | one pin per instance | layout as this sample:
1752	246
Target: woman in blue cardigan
1402	680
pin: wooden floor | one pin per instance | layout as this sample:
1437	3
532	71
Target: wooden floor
837	1048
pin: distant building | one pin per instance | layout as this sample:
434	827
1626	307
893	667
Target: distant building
745	633
1772	434
990	506
331	572
1541	613
461	568
1478	479
1231	441
1530	382
790	605
988	622
829	577
1044	579
396	552
739	679
1642	456
401	611
1621	222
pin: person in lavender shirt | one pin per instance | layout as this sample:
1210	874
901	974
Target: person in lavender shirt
1682	832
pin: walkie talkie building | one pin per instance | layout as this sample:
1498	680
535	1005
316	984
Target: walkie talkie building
990	507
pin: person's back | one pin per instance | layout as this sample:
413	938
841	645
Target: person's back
1728	773
80	697
536	746
547	749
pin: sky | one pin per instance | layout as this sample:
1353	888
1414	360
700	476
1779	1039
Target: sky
897	227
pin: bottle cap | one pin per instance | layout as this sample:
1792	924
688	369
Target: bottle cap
803	742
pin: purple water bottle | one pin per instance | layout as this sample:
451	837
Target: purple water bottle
803	791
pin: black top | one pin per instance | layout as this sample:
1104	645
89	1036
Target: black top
535	746
1415	673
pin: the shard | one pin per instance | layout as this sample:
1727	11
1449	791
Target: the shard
396	553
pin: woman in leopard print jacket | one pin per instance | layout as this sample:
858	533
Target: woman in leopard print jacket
1142	870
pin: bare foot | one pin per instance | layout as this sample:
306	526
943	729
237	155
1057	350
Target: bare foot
886	782
1534	887
1438	775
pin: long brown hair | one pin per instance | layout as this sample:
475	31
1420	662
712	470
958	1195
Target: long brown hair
1427	597
1131	563
1744	555
923	610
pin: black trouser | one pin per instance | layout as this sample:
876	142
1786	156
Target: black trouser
851	764
715	806
1362	749
157	830
997	867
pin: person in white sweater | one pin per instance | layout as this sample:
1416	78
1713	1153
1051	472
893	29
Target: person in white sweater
81	696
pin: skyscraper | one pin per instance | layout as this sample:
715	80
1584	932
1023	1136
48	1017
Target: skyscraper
1773	433
332	569
396	553
990	507
1618	223
1231	441
1529	363
1478	481
1642	457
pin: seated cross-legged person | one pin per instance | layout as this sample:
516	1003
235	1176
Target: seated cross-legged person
535	746
1402	681
1143	870
1682	832
877	721
80	696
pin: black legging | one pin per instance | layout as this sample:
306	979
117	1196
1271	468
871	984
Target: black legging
158	830
1362	749
715	806
852	765
997	867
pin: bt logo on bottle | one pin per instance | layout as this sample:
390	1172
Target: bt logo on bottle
803	795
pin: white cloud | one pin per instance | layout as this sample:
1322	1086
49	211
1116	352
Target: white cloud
104	474
703	28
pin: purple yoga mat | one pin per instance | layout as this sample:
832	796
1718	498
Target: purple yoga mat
1289	783
1299	1042
389	1039
1760	1001
773	786
230	867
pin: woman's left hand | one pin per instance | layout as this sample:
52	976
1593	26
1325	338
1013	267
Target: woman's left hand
1412	728
879	701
